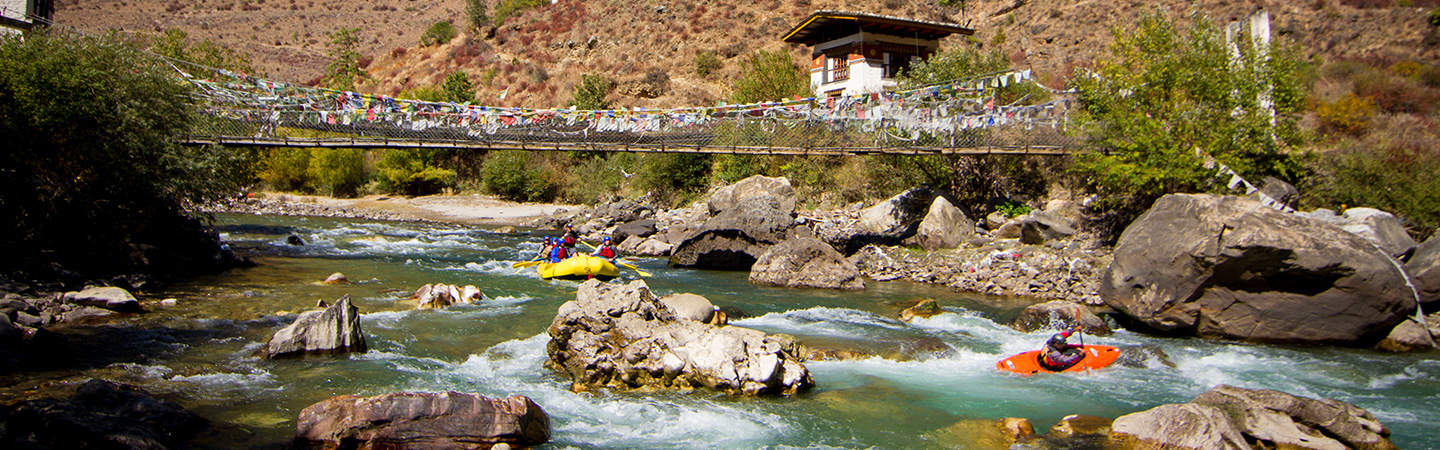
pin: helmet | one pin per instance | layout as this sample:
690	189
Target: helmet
605	239
1056	342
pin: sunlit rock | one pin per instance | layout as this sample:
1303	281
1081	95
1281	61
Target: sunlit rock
423	420
334	330
622	337
1059	315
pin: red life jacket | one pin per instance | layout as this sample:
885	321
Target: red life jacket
569	240
607	252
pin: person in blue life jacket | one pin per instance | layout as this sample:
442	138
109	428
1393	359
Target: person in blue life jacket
606	250
568	239
558	253
1060	355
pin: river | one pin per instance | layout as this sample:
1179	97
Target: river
201	351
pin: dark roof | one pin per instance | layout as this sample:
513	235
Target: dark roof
826	25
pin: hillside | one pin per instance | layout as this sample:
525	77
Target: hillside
538	55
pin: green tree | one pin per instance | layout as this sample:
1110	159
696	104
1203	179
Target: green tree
769	76
344	72
1163	97
591	93
673	173
92	172
338	172
509	174
412	172
286	169
175	43
438	33
475	10
457	88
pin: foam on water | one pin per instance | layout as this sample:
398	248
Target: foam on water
495	267
821	320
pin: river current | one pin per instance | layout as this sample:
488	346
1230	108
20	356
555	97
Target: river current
201	351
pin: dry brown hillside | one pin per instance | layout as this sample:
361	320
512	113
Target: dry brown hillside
650	46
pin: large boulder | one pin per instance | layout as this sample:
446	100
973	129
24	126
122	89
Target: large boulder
734	239
1279	193
1075	425
111	298
101	414
441	295
638	229
1408	336
1381	228
334	330
690	306
1281	420
645	247
1177	426
423	420
1229	267
804	261
622	337
1059	315
1424	269
1038	227
897	217
772	192
944	226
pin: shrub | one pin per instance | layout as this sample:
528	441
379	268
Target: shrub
412	172
475	11
769	76
595	179
591	93
507	8
1395	94
286	169
706	63
338	172
509	174
1162	97
457	88
438	33
1395	168
965	62
673	174
1350	115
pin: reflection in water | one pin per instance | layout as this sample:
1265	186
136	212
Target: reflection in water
936	372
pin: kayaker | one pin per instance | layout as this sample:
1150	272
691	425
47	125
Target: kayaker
606	250
1059	354
558	253
568	239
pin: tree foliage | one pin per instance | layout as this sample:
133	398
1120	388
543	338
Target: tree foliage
769	76
1164	97
592	92
338	172
509	174
344	71
412	172
457	88
92	161
475	10
175	43
438	33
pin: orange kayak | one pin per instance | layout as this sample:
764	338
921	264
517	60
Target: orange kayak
1028	363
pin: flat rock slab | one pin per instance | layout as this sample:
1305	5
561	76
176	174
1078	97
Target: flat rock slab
423	420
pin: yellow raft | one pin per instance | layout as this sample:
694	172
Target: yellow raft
579	267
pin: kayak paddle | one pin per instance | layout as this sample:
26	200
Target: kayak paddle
632	267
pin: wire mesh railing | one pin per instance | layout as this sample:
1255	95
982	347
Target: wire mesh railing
958	117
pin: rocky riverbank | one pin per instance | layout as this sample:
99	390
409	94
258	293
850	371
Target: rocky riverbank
459	209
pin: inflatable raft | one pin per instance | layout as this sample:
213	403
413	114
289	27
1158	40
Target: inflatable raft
1028	363
579	267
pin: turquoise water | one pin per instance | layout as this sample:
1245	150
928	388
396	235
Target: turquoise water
206	343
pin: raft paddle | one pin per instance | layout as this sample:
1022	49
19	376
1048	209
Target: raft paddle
521	265
632	267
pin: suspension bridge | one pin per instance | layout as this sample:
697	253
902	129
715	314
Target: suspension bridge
957	118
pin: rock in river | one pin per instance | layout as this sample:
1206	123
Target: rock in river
804	261
423	420
101	414
331	331
1228	417
1230	267
1424	269
622	337
111	298
1059	315
734	239
944	226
